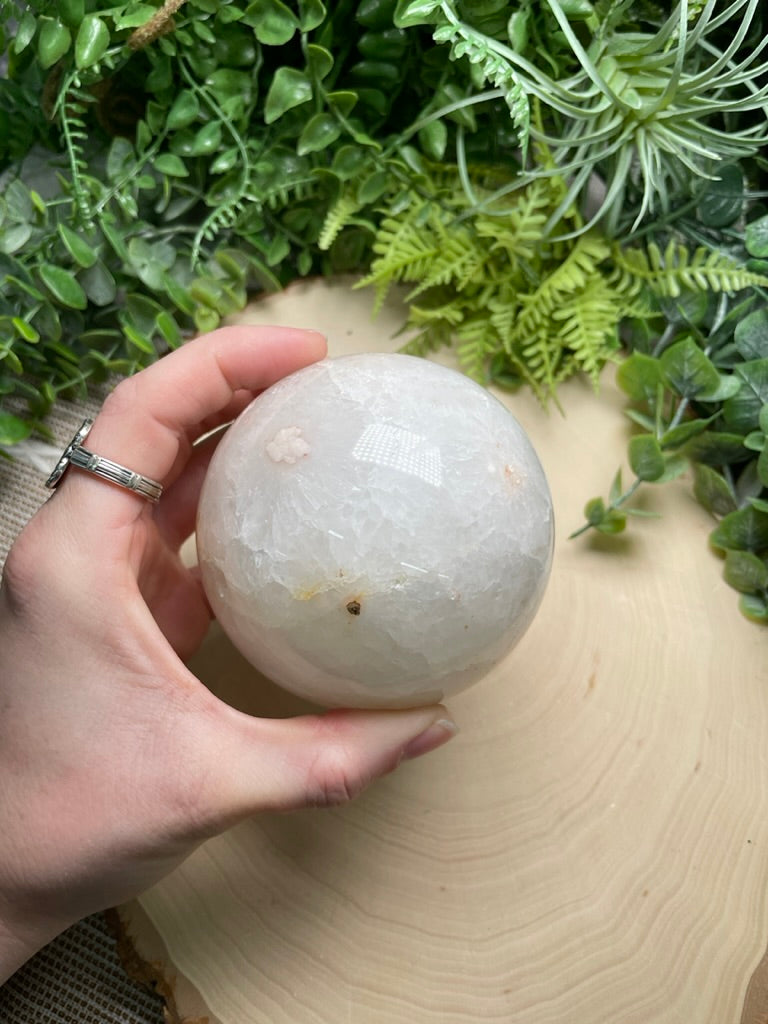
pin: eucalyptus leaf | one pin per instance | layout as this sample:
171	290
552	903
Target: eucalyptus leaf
756	237
745	572
754	607
746	529
15	237
712	491
612	522
716	448
25	31
722	201
688	371
742	411
639	376
646	457
18	201
311	14
751	335
677	436
319	61
434	139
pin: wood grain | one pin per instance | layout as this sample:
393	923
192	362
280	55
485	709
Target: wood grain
592	847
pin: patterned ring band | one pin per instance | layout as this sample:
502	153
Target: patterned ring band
75	455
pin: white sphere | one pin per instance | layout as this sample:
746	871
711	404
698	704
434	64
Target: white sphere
375	531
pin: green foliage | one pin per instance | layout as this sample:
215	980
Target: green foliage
161	162
698	387
624	94
520	305
548	179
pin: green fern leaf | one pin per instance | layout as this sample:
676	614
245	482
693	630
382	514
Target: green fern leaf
518	234
459	260
405	251
504	309
667	274
588	328
475	345
588	252
451	313
337	218
466	41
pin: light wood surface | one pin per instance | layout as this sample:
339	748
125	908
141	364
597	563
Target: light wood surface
591	848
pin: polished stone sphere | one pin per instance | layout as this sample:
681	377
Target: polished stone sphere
375	531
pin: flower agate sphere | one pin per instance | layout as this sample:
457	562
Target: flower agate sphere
375	531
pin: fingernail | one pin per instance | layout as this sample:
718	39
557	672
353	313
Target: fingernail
433	737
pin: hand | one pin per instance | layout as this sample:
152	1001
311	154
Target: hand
115	761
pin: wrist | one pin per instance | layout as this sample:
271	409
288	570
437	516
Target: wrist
19	943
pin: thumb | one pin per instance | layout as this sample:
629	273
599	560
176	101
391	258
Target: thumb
311	760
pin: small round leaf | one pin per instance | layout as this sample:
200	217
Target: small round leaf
13	429
290	88
80	251
53	42
91	42
646	457
63	286
319	132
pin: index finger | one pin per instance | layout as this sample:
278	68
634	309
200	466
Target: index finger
150	421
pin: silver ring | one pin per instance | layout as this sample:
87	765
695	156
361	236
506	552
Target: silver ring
75	455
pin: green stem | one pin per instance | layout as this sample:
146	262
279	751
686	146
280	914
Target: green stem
611	507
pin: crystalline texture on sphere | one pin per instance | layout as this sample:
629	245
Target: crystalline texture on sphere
375	531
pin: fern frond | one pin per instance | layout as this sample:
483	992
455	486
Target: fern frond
451	313
479	49
281	194
475	346
337	218
459	260
405	250
504	309
518	234
588	252
588	328
436	333
70	108
667	274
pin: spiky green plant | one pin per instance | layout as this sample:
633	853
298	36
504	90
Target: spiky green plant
646	111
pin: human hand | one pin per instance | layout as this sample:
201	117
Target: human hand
115	761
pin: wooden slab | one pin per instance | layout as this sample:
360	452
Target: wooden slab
592	847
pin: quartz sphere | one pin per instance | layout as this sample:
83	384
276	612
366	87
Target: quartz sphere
375	531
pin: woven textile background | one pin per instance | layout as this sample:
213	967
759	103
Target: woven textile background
78	978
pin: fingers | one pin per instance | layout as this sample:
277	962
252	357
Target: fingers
151	420
313	760
175	515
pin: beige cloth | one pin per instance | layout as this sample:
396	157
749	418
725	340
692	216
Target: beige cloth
78	978
22	489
